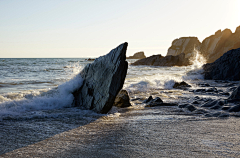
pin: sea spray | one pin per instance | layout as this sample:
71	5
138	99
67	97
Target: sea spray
197	60
196	70
56	98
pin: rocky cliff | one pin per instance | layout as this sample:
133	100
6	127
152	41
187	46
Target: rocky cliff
103	79
184	45
211	47
138	55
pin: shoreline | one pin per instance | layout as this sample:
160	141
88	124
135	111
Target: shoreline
133	134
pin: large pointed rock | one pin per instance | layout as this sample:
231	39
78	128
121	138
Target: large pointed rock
103	79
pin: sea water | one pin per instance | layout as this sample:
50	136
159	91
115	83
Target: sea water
35	84
36	96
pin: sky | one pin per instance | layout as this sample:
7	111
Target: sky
80	28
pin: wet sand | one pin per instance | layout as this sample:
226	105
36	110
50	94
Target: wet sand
149	132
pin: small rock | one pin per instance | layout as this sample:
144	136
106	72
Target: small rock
200	90
122	99
148	100
235	108
181	85
183	105
221	102
191	108
155	102
195	102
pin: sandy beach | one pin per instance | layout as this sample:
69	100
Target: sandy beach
160	132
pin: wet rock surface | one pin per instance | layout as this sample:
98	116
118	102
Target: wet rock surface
208	99
224	68
103	79
122	99
181	85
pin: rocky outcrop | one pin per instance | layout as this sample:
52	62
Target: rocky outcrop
184	45
103	79
181	85
159	60
122	100
211	48
224	68
138	55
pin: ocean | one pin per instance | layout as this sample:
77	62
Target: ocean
36	97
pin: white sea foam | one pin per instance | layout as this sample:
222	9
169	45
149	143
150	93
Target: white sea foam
144	78
53	99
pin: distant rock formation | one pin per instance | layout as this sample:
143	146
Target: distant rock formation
138	55
227	67
212	47
159	60
103	79
89	59
184	45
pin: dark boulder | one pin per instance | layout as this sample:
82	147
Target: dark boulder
235	108
183	105
102	80
224	68
195	102
122	99
226	107
159	60
155	102
181	85
191	108
148	100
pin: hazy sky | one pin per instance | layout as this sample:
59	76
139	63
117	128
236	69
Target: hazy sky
90	28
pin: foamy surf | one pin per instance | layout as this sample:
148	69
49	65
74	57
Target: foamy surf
60	97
